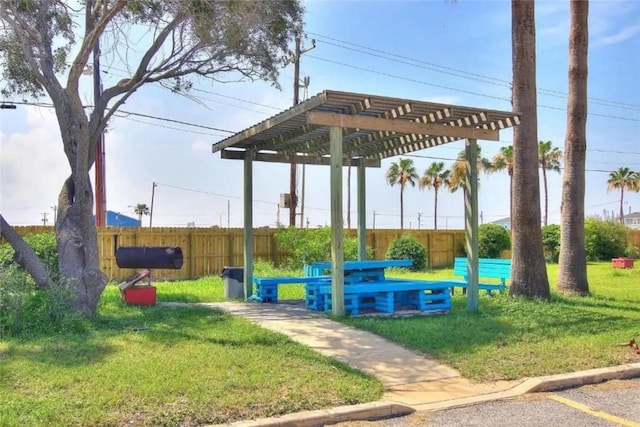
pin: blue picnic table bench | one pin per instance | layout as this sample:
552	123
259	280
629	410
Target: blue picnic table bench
488	268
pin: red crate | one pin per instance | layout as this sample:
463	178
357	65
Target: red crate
622	262
140	295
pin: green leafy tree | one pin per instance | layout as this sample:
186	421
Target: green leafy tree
45	47
402	172
433	178
549	158
623	179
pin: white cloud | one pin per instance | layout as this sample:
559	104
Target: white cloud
200	145
33	167
624	34
443	99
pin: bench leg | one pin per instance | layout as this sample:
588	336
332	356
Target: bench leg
384	302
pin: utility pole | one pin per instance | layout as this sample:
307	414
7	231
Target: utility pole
293	169
418	220
100	187
481	220
228	214
293	199
374	220
153	194
44	218
54	208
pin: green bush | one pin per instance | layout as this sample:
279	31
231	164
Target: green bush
492	240
44	245
25	310
407	246
604	239
304	246
551	242
632	252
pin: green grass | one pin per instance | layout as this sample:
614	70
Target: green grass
516	338
168	366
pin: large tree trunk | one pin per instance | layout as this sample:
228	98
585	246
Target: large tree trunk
528	271
25	256
573	263
546	195
76	233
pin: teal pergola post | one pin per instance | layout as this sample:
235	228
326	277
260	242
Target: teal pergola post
337	228
471	222
362	211
248	224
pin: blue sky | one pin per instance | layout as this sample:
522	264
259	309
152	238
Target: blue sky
446	52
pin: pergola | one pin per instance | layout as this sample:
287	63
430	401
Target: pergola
343	128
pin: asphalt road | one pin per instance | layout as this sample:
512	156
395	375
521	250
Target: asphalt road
607	404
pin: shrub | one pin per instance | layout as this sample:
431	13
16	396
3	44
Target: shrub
632	252
44	245
551	242
604	239
407	246
492	240
25	310
304	246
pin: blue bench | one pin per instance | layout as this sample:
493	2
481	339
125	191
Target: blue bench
267	287
386	295
488	268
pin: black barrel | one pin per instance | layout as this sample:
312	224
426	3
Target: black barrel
162	257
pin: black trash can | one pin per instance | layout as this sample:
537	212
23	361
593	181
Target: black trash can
233	278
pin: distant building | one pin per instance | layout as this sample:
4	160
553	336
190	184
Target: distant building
116	219
632	220
504	222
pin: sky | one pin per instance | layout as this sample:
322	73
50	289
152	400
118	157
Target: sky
441	51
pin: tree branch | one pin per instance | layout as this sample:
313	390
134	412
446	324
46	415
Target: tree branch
92	35
25	256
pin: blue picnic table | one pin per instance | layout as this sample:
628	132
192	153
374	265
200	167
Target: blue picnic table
365	288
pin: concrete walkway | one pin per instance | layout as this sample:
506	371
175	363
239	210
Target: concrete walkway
409	378
413	381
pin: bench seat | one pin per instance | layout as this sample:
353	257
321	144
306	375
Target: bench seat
267	287
385	295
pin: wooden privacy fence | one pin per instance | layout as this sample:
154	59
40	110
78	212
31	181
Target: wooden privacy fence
207	250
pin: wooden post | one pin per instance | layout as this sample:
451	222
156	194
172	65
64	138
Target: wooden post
248	224
337	234
471	223
362	212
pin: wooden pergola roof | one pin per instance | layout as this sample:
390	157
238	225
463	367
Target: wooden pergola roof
373	128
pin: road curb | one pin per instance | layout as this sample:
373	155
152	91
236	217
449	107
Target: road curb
541	384
363	411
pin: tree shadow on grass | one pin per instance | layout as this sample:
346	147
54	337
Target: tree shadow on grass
64	350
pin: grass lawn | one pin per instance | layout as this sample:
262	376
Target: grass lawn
168	366
511	339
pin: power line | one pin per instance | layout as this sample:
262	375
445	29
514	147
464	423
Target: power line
382	73
455	71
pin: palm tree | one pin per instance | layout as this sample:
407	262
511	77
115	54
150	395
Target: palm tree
504	161
402	172
572	275
141	209
528	269
458	171
622	179
549	158
435	177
